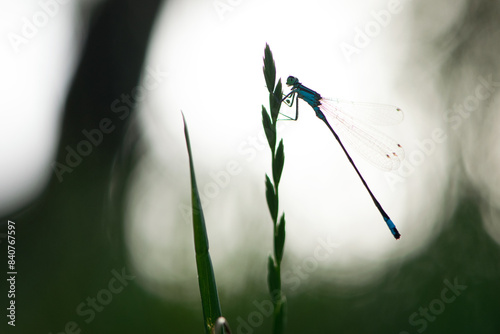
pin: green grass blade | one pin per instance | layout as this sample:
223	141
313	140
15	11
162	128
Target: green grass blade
280	317
273	279
206	278
279	243
278	163
275	101
272	200
269	129
269	69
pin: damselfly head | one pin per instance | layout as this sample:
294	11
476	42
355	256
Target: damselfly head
291	81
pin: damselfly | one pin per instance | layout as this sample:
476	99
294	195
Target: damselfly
347	119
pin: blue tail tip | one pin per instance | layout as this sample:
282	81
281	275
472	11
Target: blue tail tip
392	227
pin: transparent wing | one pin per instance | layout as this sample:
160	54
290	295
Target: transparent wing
369	113
350	121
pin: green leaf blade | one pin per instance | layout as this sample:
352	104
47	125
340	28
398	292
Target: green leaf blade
272	199
278	163
269	69
206	277
280	314
273	279
269	129
279	242
275	101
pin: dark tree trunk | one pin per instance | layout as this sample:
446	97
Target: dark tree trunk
70	239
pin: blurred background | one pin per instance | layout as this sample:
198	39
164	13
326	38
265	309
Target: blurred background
95	175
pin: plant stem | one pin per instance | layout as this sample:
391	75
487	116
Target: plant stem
272	191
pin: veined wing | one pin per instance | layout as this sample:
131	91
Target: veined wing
369	113
356	133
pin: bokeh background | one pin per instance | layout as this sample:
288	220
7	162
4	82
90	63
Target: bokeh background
95	176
